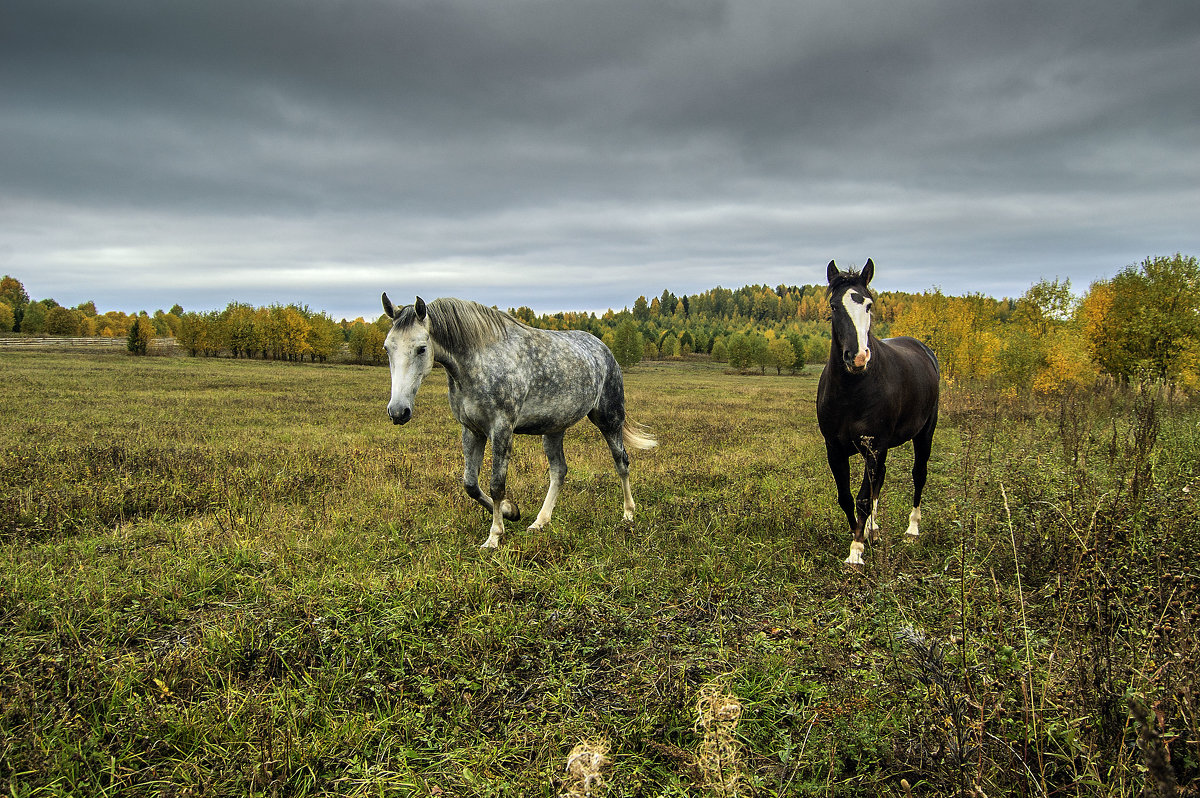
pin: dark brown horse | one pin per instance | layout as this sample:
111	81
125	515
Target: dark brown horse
874	395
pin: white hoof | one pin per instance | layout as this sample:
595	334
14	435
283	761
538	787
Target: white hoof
856	550
493	542
536	526
914	519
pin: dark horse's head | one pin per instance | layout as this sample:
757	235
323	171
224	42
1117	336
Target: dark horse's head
850	303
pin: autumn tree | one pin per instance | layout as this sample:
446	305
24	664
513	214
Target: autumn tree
62	321
641	311
629	345
33	320
325	337
962	331
799	359
759	352
687	343
780	354
288	333
365	342
719	353
242	333
13	293
1043	343
138	341
738	348
1146	320
668	345
193	333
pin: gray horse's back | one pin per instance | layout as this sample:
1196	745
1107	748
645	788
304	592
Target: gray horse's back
570	374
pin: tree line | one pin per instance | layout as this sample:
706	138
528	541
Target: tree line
277	332
1142	323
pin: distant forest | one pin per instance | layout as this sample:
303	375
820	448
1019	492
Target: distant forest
1143	323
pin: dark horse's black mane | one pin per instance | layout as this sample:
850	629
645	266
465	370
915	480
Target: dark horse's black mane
848	279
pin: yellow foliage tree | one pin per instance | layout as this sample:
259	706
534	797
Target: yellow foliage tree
1067	364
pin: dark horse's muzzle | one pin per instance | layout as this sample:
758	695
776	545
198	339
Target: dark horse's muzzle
856	363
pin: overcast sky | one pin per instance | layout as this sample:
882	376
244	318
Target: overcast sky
574	154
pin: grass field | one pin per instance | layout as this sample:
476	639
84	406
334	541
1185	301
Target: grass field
224	577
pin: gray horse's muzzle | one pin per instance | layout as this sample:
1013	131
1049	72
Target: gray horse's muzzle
402	416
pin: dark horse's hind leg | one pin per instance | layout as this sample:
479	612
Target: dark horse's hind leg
922	446
473	446
552	445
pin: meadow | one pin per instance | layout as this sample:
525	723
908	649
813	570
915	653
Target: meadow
229	577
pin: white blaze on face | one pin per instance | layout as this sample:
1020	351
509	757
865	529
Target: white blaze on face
409	360
858	308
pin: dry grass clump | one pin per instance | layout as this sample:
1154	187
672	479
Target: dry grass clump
717	716
585	765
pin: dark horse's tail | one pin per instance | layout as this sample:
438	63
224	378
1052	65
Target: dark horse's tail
635	436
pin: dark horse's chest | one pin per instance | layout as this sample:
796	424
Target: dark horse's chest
884	407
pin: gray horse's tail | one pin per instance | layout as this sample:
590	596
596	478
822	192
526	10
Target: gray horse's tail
635	436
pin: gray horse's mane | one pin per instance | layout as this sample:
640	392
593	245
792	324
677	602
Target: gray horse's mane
459	325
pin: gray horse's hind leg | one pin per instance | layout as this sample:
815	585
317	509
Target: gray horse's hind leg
552	445
614	436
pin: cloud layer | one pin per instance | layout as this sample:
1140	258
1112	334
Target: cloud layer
576	155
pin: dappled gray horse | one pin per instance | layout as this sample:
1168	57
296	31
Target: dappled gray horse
508	378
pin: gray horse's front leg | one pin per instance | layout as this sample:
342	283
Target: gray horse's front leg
501	507
472	446
552	445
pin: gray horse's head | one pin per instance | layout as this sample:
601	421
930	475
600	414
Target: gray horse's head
410	355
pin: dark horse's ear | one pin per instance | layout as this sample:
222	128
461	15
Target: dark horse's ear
419	307
868	272
387	306
831	272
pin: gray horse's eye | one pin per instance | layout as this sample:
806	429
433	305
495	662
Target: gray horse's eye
420	350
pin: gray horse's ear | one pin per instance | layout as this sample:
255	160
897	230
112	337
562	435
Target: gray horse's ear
419	306
868	272
387	306
831	272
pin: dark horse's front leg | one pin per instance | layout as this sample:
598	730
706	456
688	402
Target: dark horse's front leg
859	513
874	469
839	465
473	445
